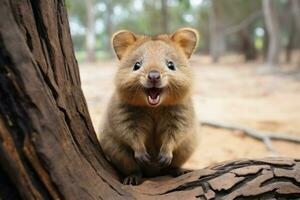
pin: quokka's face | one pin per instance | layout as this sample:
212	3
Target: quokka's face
154	71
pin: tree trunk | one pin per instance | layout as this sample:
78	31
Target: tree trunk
217	38
108	21
48	147
164	16
291	40
265	44
247	44
296	14
90	32
272	26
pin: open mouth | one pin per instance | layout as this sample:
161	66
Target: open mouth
153	95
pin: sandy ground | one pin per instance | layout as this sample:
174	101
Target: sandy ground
230	92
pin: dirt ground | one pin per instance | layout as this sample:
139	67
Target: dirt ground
232	92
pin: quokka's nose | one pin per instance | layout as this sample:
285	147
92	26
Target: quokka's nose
154	76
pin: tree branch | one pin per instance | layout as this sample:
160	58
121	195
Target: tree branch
269	178
264	136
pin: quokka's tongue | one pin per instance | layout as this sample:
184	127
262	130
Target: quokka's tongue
153	101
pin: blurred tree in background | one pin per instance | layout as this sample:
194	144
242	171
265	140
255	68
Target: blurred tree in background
256	29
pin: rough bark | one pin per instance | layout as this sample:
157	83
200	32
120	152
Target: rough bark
48	147
272	26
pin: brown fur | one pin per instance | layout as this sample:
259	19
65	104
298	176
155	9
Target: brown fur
140	139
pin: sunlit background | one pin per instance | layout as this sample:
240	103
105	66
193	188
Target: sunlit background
247	64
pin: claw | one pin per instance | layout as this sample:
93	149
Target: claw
133	179
143	159
164	160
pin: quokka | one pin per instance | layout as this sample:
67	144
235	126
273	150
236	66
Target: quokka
150	126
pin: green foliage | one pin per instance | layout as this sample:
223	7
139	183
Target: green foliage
77	10
145	17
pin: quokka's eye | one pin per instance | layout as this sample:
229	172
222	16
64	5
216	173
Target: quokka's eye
171	65
137	66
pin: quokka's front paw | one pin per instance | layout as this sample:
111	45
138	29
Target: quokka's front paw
143	158
164	160
133	179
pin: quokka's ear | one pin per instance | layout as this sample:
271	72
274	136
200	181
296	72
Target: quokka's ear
187	39
121	40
